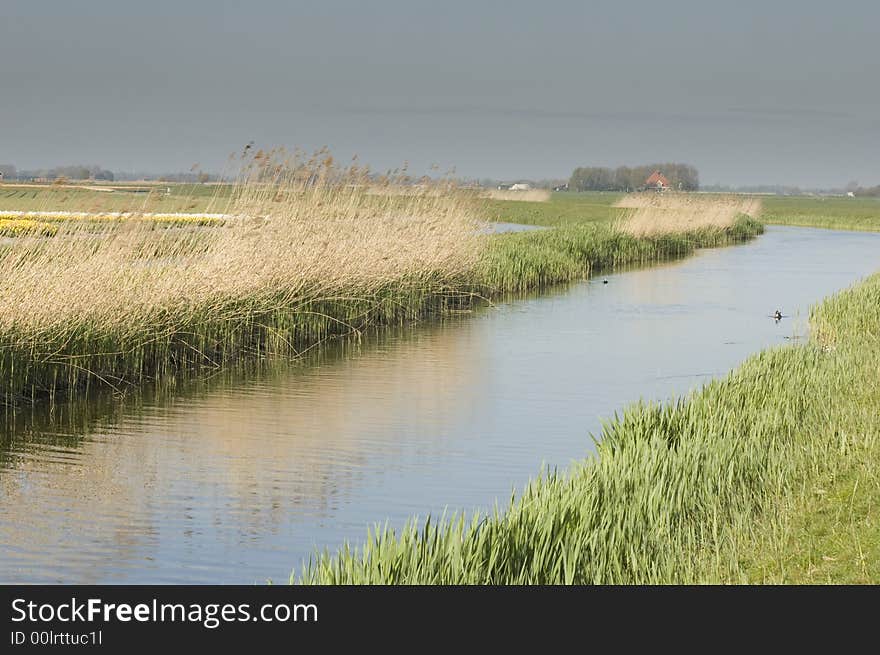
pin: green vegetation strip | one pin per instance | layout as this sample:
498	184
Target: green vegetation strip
834	213
563	209
525	260
689	491
827	533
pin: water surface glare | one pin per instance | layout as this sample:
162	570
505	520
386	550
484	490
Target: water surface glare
237	480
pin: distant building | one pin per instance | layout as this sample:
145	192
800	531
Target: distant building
657	182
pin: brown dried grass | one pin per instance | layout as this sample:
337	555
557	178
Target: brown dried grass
651	214
300	233
532	195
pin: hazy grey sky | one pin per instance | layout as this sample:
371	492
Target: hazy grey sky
747	91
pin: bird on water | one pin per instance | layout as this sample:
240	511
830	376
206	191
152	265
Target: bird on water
777	315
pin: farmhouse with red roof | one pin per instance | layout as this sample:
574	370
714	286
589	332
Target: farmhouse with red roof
658	181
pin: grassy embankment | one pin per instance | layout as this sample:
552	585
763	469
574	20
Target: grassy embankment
829	532
705	489
113	302
827	529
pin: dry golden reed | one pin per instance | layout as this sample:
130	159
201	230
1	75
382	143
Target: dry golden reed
410	190
299	233
530	195
652	214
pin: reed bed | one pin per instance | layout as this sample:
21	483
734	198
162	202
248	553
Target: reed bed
674	491
529	195
650	214
295	252
407	190
305	255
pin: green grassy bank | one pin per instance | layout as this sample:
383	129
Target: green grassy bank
698	490
527	260
827	529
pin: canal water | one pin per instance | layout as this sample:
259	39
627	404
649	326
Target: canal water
238	479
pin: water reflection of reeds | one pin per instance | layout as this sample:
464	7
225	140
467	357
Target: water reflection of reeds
232	456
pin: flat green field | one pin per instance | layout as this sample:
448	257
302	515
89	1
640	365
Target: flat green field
828	212
809	211
563	209
156	198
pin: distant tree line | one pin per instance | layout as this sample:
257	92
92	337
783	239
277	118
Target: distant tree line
625	178
94	172
75	172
